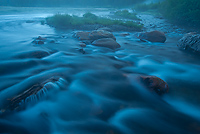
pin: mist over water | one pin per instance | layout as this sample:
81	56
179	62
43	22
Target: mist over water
96	92
152	1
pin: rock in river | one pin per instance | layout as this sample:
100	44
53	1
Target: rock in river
106	42
81	35
156	84
40	40
82	44
98	34
190	41
153	36
32	94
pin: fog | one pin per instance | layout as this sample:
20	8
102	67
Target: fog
152	1
73	3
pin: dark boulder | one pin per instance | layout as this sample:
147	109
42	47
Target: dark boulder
81	50
98	34
82	35
52	41
106	42
155	84
35	91
190	41
33	54
153	36
40	42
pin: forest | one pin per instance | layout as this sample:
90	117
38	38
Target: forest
184	12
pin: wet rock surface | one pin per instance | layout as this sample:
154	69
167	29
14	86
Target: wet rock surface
190	41
106	42
81	44
155	84
98	34
41	40
82	35
99	38
34	93
153	36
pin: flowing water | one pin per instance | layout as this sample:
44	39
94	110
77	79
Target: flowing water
95	92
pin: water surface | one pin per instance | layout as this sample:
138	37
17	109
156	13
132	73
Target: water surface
96	92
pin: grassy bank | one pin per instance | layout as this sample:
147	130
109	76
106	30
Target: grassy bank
184	12
126	14
67	21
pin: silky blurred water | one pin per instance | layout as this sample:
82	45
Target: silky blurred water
97	92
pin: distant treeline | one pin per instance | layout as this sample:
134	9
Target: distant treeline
74	3
184	12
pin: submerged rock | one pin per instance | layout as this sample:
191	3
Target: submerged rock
81	44
190	41
124	34
106	42
33	54
156	84
34	93
153	36
98	34
30	21
40	40
81	50
52	41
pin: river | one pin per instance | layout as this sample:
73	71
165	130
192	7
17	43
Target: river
95	92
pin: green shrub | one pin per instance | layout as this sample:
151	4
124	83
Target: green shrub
90	16
67	21
126	14
59	20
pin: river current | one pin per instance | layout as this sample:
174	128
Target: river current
95	92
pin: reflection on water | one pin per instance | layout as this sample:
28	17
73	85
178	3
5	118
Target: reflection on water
97	92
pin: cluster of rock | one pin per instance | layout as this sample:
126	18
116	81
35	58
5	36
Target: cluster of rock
190	41
102	37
